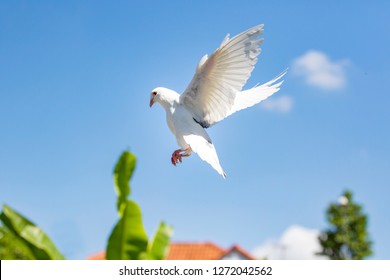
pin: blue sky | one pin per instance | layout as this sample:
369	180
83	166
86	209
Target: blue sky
74	93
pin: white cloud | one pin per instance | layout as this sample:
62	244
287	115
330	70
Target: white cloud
296	243
318	70
281	104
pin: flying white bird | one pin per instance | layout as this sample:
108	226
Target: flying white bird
213	94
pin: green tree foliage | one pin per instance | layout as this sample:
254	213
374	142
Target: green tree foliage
22	239
347	237
128	239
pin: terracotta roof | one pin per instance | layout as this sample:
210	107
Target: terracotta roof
239	250
98	256
193	251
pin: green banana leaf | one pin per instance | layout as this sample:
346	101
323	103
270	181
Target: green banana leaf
42	248
159	246
12	247
122	174
128	240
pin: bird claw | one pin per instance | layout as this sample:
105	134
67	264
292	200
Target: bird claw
178	155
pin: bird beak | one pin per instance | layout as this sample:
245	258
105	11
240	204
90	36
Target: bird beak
151	102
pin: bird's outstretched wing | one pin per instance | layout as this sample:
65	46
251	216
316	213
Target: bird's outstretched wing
211	94
206	151
255	95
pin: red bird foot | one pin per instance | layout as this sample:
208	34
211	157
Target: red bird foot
178	155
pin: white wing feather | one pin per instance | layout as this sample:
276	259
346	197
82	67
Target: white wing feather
253	96
212	92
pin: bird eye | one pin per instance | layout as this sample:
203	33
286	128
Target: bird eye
154	93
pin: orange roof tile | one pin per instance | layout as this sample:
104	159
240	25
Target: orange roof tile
193	251
98	256
241	251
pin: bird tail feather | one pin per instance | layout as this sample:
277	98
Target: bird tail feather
205	150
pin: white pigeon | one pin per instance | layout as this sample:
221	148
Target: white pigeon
213	94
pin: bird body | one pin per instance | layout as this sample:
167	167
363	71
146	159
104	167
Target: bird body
214	93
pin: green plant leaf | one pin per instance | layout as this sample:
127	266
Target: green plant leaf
35	238
158	248
128	238
122	174
12	247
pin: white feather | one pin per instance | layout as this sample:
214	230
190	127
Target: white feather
211	93
205	151
255	95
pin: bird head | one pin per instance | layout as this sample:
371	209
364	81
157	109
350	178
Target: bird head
153	97
165	97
